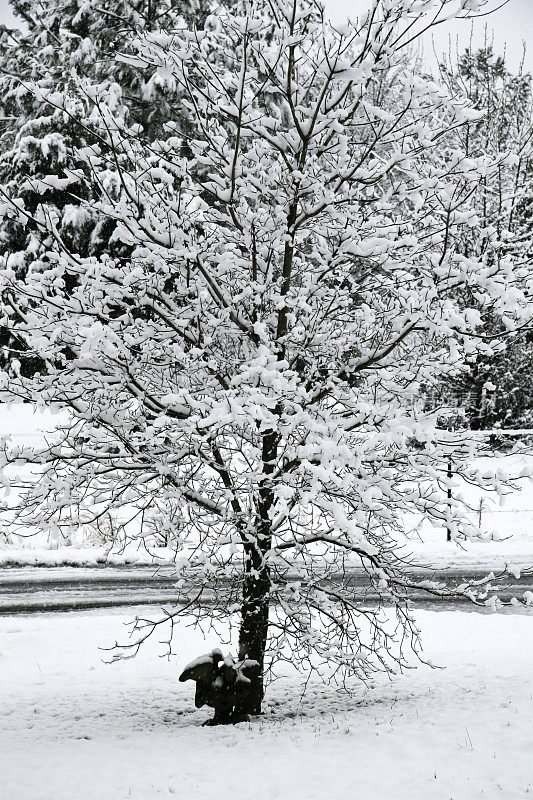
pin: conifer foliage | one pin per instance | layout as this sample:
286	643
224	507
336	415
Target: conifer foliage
496	391
60	42
244	371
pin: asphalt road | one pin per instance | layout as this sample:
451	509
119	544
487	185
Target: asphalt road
44	589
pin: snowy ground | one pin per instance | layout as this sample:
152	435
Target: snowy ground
431	551
73	728
510	521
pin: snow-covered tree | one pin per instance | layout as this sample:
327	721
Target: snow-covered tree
60	40
497	389
246	376
59	37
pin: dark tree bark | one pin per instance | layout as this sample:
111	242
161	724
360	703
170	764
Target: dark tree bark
254	624
256	583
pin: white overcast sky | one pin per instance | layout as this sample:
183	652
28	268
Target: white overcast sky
509	27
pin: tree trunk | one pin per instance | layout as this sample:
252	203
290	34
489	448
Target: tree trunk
256	584
254	624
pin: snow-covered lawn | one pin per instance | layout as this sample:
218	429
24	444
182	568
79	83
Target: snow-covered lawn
509	519
73	728
428	551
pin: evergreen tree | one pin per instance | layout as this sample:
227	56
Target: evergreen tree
497	391
63	42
